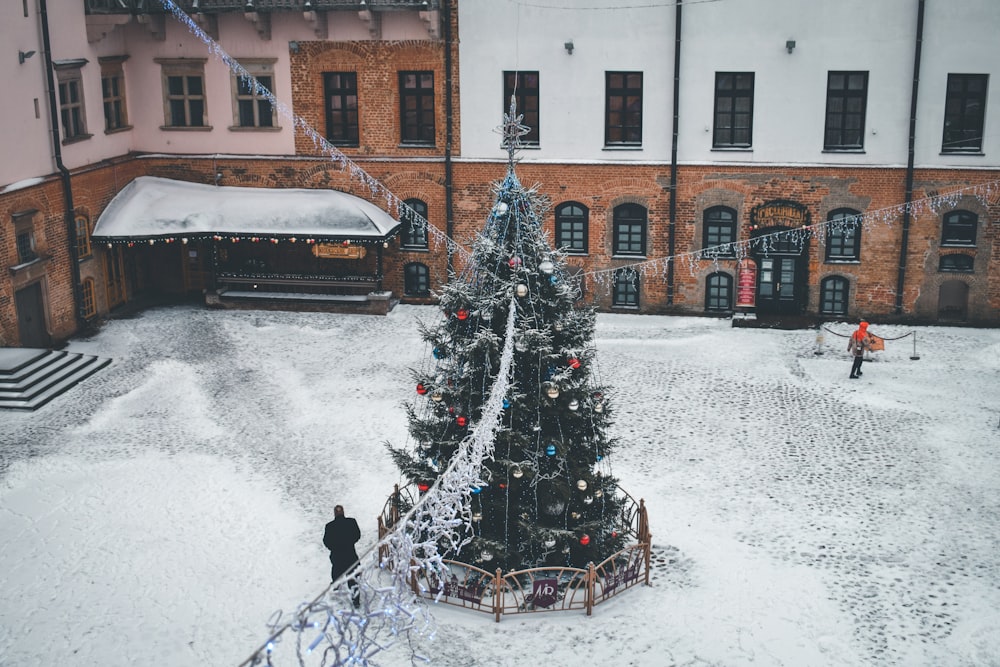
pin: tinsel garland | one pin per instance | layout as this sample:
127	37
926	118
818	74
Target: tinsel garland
390	612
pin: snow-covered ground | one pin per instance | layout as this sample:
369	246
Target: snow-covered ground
164	509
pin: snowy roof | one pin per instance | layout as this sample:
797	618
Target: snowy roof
150	207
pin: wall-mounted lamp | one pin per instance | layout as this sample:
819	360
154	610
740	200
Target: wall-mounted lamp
218	177
569	47
24	55
293	46
790	45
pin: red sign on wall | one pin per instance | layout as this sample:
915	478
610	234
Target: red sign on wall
746	284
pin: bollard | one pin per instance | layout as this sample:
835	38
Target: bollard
819	341
914	356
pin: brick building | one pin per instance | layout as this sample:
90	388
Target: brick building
835	161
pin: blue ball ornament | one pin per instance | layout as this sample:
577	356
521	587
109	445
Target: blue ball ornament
506	404
551	450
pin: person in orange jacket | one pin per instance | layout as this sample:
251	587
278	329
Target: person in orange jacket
859	342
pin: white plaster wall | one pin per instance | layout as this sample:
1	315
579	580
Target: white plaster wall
25	144
790	88
506	36
732	35
960	37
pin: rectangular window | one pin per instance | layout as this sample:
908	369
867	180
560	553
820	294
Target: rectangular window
964	113
184	98
26	247
252	96
416	107
523	87
623	109
626	289
846	101
733	125
113	94
71	108
340	92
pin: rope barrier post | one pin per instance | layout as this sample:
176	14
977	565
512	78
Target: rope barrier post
914	356
819	340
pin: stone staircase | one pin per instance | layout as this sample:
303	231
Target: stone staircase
30	378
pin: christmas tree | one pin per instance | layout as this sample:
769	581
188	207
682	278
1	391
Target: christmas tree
548	497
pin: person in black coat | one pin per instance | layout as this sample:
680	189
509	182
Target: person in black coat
340	536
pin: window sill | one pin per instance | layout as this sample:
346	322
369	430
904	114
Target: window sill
967	273
956	244
623	147
841	261
856	151
414	249
631	257
85	258
623	307
248	128
978	153
186	128
117	130
732	149
24	266
77	139
416	145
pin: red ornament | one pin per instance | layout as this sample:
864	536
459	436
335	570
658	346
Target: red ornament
346	243
514	262
614	534
574	363
423	486
461	421
462	314
421	389
585	539
502	485
451	409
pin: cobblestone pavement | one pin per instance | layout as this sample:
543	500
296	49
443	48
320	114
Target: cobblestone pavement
799	518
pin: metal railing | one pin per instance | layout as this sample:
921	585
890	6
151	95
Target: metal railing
532	590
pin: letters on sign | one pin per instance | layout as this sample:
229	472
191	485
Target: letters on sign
331	251
746	284
543	592
779	213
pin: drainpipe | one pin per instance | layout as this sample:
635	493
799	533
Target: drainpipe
74	258
905	240
449	204
672	225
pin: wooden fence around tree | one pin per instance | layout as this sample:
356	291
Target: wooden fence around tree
537	589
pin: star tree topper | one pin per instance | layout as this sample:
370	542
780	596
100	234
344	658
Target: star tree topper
512	130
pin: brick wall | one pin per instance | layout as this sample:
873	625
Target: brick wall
878	193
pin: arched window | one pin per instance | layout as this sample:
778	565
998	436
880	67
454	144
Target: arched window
83	249
959	228
571	227
416	279
833	293
719	292
719	231
843	235
629	230
89	300
626	289
414	234
956	264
